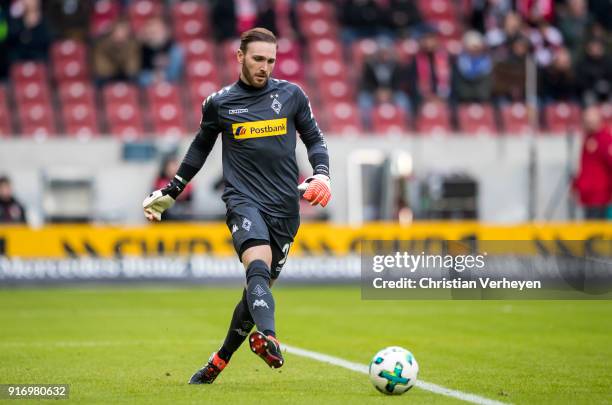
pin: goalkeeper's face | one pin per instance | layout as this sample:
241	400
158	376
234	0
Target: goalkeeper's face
257	63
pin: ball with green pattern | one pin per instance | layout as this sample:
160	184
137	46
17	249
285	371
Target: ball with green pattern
393	370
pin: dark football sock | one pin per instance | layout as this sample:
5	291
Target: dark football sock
239	329
259	295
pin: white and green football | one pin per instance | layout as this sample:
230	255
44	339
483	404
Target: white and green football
393	370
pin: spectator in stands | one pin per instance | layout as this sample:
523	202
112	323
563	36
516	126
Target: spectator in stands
29	35
224	17
601	10
383	79
11	210
266	15
472	70
69	18
487	15
558	81
509	73
181	210
430	71
594	71
161	58
500	40
117	55
594	181
573	22
360	19
545	39
404	17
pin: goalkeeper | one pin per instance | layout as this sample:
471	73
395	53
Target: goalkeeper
258	117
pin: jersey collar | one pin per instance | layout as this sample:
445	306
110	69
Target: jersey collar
250	88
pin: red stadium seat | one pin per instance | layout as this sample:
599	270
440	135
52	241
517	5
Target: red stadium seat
68	49
80	119
37	120
433	118
289	69
140	11
436	9
343	119
476	118
388	118
6	127
168	119
120	92
28	72
189	29
186	10
515	118
198	92
201	70
76	92
32	93
190	20
199	49
562	117
336	90
319	28
330	70
287	48
124	120
406	49
105	12
70	70
325	49
361	50
448	28
163	93
312	9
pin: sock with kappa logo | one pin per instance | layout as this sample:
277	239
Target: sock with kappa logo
239	329
259	296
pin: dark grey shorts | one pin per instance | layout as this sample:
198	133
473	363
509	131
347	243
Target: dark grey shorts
251	227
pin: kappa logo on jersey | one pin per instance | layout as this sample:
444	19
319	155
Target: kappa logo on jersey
260	129
259	291
260	303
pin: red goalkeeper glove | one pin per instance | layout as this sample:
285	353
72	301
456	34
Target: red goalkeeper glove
316	189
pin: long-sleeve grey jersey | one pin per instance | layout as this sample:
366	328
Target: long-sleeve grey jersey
258	130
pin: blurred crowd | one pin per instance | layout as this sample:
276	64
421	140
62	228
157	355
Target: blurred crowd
570	42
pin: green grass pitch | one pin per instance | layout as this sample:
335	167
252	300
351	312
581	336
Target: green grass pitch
140	345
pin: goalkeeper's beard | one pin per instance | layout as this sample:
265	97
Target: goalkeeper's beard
250	79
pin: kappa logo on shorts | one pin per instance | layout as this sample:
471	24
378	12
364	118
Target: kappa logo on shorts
260	303
259	291
234	229
246	224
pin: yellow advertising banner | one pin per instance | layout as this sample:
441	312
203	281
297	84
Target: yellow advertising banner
65	241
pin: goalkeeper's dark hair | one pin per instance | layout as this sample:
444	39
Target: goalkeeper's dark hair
254	35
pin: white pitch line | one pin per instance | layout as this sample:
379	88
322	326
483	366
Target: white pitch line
362	368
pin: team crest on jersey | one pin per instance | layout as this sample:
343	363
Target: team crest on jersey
276	105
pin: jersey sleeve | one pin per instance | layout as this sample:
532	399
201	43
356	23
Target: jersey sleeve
203	143
311	135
